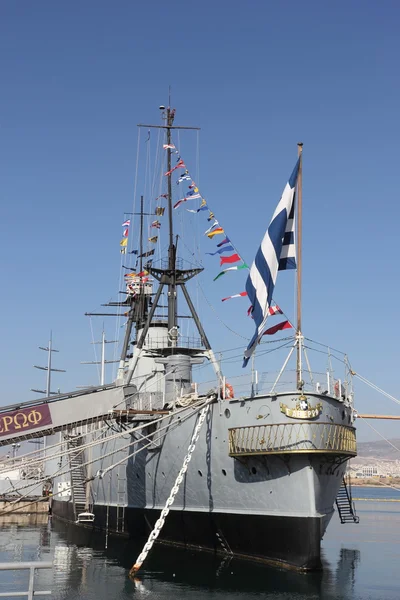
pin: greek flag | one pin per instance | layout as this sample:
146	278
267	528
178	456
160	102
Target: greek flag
277	252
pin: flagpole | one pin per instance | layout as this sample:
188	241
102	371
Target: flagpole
299	227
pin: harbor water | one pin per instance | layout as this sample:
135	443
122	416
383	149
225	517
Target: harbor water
361	562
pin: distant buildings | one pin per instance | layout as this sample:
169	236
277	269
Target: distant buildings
377	469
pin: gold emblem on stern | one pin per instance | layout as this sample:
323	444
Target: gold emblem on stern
303	409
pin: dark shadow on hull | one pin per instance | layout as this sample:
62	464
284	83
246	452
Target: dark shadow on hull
289	542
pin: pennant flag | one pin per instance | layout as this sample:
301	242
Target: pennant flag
148	264
279	327
225	241
126	223
180	165
205	207
123	250
217	231
212	226
275	310
123	242
210	216
162	196
130	275
261	280
234	296
237	268
146	254
194	187
185	177
182	200
221	250
133	252
126	232
143	273
156	224
230	259
159	211
153	239
166	146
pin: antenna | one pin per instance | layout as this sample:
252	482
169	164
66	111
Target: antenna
47	392
103	362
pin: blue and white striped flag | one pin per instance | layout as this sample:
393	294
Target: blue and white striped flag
277	252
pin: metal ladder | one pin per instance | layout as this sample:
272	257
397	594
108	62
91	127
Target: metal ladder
121	499
78	477
345	504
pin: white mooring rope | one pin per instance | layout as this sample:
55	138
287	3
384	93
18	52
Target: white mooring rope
164	513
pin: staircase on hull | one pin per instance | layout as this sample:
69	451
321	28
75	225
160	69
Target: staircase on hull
345	504
78	482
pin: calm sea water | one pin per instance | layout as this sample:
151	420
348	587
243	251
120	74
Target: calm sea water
361	562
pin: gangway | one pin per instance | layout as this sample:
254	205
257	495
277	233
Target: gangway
38	418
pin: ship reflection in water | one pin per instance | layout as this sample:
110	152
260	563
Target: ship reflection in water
359	562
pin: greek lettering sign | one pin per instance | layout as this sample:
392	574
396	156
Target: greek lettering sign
19	421
303	410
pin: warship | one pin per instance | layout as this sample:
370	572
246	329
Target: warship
154	453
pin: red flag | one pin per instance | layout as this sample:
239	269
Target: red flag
179	165
230	259
279	327
275	310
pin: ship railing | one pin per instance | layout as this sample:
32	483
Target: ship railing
23	566
182	341
146	400
246	387
293	438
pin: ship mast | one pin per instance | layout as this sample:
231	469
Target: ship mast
171	277
170	114
299	227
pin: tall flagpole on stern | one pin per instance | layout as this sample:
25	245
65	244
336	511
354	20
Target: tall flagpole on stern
299	228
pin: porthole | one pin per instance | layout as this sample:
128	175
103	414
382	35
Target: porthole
223	472
227	413
254	470
200	473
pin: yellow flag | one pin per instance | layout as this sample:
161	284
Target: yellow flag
124	242
216	231
203	203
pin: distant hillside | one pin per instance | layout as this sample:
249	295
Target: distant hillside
380	449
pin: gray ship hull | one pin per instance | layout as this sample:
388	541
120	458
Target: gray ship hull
266	494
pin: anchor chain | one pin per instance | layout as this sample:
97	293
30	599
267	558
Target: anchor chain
164	513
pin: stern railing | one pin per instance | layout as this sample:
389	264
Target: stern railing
293	438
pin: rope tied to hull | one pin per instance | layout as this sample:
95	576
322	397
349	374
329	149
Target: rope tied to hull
175	489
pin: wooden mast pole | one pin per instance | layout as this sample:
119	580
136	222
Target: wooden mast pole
299	227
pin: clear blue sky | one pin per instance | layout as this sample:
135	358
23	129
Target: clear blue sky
256	77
